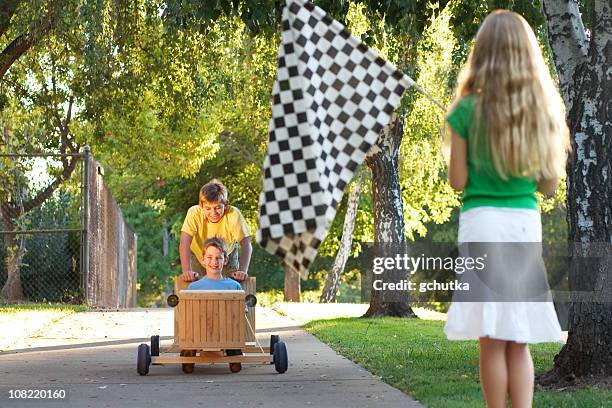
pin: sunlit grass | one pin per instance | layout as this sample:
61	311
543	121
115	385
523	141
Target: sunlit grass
415	356
40	307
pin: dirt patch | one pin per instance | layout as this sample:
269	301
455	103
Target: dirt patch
573	383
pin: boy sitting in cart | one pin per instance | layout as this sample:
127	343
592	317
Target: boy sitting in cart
215	257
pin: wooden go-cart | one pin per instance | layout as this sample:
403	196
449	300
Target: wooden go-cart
213	327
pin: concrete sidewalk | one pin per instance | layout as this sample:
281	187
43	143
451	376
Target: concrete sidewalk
93	357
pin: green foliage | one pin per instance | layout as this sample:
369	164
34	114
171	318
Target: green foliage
414	356
237	73
268	270
50	269
425	192
155	269
174	93
467	15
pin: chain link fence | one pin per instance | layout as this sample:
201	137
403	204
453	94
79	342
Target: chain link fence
111	246
63	241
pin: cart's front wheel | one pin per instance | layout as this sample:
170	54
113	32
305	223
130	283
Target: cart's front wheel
155	345
281	360
235	367
188	368
144	359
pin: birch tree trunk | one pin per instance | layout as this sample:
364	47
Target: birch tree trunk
389	234
333	277
585	78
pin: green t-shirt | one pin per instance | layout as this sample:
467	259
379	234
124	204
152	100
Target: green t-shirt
484	186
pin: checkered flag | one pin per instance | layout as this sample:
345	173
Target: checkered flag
331	98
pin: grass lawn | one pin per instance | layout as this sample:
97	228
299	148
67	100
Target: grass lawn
40	307
414	356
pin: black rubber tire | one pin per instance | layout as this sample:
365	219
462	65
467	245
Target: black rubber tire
144	359
281	359
155	345
275	338
188	368
235	367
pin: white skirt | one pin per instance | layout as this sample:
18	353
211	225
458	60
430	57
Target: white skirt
521	322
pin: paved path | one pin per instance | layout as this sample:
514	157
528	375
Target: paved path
93	356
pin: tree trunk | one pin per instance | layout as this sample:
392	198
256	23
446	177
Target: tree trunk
12	290
333	277
292	285
389	235
586	85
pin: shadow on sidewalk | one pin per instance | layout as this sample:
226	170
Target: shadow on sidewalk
122	342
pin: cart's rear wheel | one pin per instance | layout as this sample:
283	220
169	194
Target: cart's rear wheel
155	345
144	359
275	338
281	359
234	367
188	368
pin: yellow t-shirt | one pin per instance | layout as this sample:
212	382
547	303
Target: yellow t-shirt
231	227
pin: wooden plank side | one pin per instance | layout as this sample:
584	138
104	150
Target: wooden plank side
247	359
222	325
249	286
203	307
228	321
179	284
196	321
236	320
215	312
209	320
250	320
202	317
189	322
181	312
242	321
176	324
212	295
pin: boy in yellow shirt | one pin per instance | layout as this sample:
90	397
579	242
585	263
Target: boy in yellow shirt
214	217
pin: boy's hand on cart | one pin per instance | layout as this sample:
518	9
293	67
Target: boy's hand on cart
189	276
239	275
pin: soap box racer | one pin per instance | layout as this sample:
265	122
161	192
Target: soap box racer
213	327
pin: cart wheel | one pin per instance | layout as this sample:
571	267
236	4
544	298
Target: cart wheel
281	361
155	345
275	338
235	367
144	359
188	368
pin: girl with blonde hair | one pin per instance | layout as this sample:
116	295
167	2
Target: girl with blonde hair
508	140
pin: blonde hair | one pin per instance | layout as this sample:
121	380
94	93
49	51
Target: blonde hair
519	115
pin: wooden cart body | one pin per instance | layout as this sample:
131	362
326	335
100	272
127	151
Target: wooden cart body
211	320
213	327
183	310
